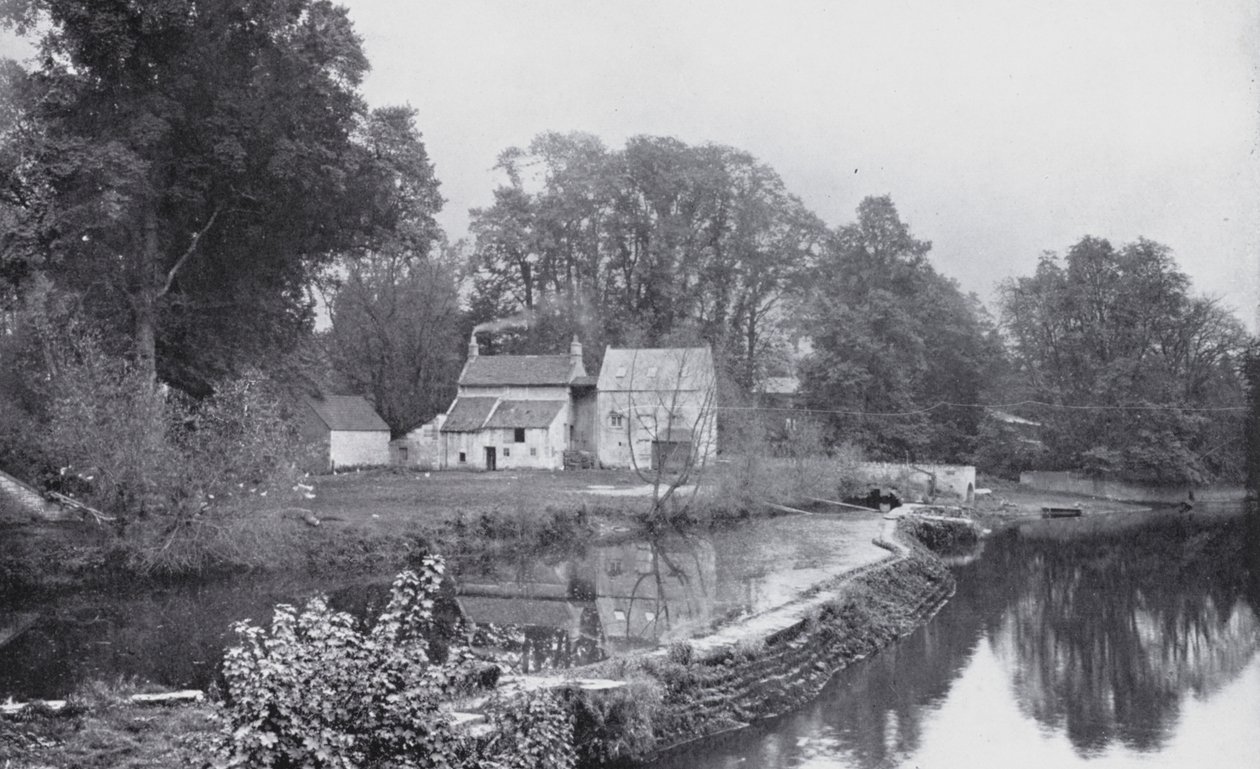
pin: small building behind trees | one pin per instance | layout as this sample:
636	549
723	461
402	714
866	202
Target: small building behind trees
347	430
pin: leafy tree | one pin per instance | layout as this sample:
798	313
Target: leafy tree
1141	375
187	165
397	334
893	341
659	240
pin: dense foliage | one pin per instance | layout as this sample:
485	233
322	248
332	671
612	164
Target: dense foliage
319	690
1141	379
653	244
187	165
896	345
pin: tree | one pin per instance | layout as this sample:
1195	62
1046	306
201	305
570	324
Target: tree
893	341
187	165
397	334
650	242
1141	374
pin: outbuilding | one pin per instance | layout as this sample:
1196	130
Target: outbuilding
348	431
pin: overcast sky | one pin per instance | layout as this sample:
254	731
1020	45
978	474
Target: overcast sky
1001	129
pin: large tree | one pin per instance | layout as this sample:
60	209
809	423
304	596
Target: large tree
655	243
1140	374
186	165
899	351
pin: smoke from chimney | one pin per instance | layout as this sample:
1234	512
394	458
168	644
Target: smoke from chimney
522	319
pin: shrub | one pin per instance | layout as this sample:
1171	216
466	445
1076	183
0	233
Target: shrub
318	690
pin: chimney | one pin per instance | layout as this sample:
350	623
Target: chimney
575	351
472	346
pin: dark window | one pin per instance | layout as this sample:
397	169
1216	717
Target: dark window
462	457
507	452
519	437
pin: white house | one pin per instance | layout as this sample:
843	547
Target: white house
656	408
518	411
348	431
421	447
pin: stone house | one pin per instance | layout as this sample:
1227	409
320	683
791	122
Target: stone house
518	411
656	408
347	430
421	447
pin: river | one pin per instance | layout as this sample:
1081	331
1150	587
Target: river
1125	642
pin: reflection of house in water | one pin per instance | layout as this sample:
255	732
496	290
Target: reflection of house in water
650	593
545	609
634	594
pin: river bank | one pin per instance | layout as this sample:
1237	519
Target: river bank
852	619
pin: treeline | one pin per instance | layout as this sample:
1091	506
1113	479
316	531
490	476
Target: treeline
188	179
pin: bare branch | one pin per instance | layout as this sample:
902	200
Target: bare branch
188	252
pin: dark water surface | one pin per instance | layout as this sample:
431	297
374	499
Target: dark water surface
571	607
1101	643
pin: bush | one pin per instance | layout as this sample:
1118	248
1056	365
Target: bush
317	690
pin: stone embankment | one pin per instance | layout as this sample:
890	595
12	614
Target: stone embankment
766	665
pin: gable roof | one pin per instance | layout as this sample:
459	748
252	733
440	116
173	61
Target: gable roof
349	413
657	369
491	370
525	413
468	414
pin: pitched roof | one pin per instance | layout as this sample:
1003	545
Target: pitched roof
517	611
525	413
657	369
468	414
350	413
520	370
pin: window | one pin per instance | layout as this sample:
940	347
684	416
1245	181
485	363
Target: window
616	420
402	454
462	457
649	615
651	371
621	371
507	452
533	452
518	435
618	614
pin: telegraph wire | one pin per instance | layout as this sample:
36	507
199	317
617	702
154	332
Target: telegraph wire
949	404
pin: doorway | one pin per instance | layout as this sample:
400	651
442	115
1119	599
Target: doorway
491	458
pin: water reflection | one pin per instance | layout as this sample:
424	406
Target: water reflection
640	593
613	599
1060	646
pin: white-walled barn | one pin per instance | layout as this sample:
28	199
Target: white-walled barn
656	407
348	430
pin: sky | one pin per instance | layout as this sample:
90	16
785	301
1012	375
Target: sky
1000	128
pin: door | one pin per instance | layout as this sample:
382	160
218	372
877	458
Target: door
491	459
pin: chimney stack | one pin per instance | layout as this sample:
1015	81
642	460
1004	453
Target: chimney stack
575	350
472	346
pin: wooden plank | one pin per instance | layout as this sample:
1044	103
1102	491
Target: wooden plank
167	698
843	504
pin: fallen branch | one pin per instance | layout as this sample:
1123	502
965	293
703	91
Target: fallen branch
78	506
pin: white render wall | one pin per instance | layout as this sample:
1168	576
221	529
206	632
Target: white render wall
548	445
645	416
358	447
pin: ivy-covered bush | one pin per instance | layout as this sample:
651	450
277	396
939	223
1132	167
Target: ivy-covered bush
321	690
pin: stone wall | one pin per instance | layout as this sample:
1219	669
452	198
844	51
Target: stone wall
705	688
1076	483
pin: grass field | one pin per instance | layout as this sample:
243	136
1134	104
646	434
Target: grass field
390	500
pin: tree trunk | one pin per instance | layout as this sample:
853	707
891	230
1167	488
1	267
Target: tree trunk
145	301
